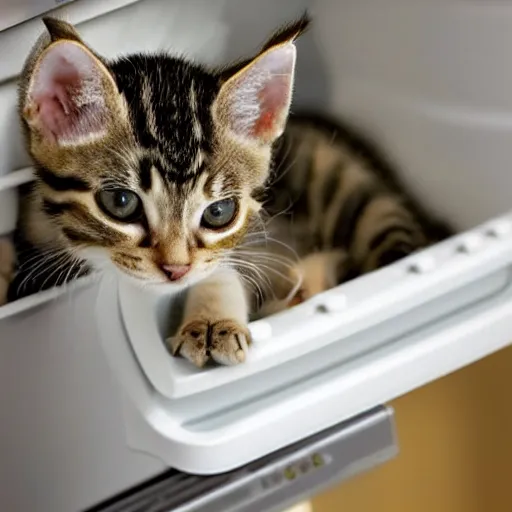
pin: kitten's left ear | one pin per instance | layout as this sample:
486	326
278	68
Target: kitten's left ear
254	100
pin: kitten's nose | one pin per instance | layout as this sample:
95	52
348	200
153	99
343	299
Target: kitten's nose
175	272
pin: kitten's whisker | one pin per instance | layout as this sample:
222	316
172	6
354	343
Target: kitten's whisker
273	265
279	177
76	262
248	266
251	249
269	268
275	177
68	274
280	274
267	256
265	281
50	258
251	282
254	240
36	271
59	272
286	246
39	255
267	218
244	265
43	261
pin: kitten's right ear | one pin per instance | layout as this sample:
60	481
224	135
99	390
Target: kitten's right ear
71	95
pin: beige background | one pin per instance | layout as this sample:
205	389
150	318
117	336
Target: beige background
456	449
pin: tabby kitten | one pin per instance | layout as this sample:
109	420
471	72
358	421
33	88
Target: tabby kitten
149	164
155	166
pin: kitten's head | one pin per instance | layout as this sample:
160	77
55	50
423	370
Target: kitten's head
152	162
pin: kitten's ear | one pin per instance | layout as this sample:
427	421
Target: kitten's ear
60	29
254	100
70	93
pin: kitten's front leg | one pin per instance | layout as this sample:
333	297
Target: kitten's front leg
6	267
214	322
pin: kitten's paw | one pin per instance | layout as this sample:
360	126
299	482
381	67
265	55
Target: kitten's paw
229	342
224	341
7	258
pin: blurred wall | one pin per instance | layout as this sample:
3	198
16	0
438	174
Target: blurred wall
456	449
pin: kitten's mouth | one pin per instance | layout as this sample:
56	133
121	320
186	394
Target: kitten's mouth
177	277
154	284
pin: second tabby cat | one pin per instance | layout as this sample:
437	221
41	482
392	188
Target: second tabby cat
156	167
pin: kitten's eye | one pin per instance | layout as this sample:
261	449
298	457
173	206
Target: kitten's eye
220	214
120	204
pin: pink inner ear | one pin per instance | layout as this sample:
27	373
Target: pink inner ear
54	105
65	99
273	100
261	95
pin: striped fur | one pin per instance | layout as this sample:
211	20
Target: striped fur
341	195
180	138
162	134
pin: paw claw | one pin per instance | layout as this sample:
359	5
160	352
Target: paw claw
225	341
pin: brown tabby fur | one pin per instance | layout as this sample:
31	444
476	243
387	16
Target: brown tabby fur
173	132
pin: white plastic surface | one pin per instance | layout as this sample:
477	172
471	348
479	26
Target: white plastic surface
223	425
9	198
326	319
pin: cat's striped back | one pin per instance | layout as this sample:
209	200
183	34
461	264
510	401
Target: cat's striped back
341	194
